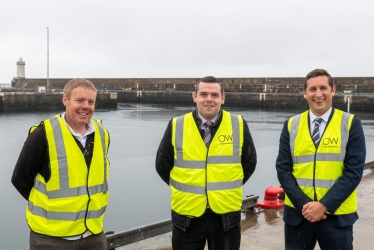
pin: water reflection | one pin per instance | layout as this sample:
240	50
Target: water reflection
250	220
272	216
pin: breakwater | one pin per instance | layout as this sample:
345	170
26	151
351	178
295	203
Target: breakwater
25	102
255	100
353	93
244	84
295	101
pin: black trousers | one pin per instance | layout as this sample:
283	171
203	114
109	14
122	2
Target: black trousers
305	235
44	242
209	228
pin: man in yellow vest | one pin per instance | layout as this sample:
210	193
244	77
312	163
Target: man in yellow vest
320	164
205	157
62	171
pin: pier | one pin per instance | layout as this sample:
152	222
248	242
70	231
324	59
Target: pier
231	84
115	240
32	101
352	93
261	229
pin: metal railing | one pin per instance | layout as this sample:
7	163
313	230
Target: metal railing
144	232
369	165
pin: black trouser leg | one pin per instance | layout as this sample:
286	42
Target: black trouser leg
209	228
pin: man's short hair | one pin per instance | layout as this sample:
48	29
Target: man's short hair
78	82
209	79
318	72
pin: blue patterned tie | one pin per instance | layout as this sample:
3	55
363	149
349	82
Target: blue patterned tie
315	134
207	134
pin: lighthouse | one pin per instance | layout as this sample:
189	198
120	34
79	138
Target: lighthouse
20	68
20	81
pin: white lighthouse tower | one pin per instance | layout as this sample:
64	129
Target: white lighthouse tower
20	68
20	81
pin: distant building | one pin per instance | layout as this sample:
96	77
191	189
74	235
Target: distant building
5	85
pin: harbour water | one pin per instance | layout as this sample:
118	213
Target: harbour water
137	195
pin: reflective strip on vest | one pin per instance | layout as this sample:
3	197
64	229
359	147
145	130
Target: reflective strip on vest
187	188
65	216
236	135
64	190
55	194
319	183
196	179
56	209
211	160
224	185
320	156
316	170
104	187
210	186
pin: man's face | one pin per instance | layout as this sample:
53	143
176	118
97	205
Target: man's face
79	107
319	94
208	99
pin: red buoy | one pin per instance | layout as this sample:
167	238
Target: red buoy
271	199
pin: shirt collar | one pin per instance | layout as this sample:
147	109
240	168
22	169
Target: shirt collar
325	116
90	130
203	120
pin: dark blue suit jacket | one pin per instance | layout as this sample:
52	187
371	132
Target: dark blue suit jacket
354	165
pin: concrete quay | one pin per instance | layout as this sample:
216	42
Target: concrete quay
264	230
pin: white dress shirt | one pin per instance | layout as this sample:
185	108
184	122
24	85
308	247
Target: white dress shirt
322	125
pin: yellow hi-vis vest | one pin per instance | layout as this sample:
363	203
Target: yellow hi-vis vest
317	169
200	174
75	198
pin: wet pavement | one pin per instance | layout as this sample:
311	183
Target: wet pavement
263	230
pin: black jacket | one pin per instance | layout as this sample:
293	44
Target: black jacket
165	163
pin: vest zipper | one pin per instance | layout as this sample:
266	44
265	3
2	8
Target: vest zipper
314	174
89	200
206	177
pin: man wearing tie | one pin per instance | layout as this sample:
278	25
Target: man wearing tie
320	164
205	157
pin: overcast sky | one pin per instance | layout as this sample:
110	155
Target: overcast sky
194	38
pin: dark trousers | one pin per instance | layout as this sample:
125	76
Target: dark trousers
209	228
329	237
44	242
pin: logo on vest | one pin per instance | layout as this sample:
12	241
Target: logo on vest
330	142
225	139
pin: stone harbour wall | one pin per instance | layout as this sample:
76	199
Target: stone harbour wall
248	84
293	101
48	102
255	100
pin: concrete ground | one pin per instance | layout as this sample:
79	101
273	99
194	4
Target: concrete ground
264	230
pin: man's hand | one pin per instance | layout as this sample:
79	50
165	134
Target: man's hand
314	211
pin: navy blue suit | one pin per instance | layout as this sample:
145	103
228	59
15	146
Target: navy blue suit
323	231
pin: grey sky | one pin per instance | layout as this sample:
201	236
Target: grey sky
194	38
